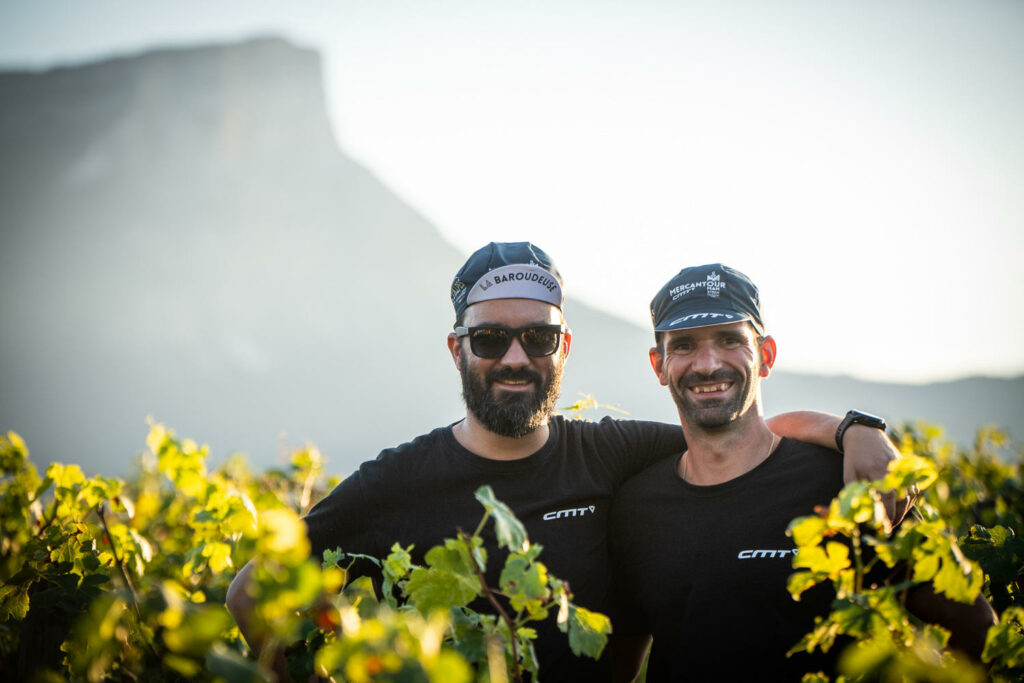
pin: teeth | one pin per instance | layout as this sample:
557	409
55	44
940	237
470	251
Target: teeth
707	389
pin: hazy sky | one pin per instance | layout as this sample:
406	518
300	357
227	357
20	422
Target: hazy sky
862	161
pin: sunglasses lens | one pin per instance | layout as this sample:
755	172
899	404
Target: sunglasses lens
490	342
494	342
540	341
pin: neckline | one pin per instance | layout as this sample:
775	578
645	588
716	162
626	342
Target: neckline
735	481
555	427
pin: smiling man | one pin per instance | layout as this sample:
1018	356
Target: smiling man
509	345
699	538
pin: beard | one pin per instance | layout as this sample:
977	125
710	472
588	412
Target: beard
713	413
511	414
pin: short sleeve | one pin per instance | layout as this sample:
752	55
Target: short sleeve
341	519
646	442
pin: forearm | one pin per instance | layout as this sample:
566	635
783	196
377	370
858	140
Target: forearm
967	624
867	451
811	426
240	604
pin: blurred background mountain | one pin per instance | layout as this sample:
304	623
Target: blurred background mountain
181	237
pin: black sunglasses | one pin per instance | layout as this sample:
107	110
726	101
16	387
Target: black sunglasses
492	341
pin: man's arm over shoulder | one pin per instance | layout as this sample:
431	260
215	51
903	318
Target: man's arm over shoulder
867	451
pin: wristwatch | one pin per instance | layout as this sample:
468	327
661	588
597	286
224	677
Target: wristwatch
855	417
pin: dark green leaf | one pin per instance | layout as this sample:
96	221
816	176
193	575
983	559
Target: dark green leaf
509	530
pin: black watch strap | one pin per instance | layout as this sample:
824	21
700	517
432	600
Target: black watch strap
855	417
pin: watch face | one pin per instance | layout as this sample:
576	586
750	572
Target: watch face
857	417
867	419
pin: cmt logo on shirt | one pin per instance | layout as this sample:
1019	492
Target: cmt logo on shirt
760	554
571	512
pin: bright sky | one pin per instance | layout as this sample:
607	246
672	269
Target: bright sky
862	161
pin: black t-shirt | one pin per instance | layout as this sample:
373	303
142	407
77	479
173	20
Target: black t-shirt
704	568
422	492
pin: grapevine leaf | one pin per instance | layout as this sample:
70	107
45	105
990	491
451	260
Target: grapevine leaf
909	471
13	602
282	536
527	652
218	555
1005	641
206	516
1001	555
470	639
360	593
449	581
856	503
807	530
43	487
224	663
822	637
830	560
588	631
510	531
869	655
957	583
13	452
198	631
64	476
94	580
525	584
801	581
396	566
398	563
450	668
332	558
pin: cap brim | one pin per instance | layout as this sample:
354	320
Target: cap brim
702	319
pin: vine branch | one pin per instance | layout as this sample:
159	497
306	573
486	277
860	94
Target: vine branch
489	594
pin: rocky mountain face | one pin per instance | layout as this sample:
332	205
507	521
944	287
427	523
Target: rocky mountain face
181	237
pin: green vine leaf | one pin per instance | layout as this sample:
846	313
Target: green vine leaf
510	531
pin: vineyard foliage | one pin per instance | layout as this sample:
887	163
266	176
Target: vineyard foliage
110	579
963	538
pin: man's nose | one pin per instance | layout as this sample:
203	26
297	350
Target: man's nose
515	356
706	359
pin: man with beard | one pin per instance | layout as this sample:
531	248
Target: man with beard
509	344
699	538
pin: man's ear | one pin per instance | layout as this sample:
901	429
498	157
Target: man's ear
658	364
566	343
768	353
455	348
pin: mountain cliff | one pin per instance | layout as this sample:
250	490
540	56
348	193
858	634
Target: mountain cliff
181	236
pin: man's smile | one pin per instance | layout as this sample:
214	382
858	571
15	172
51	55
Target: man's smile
514	381
513	384
711	388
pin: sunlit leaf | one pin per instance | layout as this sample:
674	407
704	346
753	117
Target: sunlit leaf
588	632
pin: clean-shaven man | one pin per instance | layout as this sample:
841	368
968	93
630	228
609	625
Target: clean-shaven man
699	538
